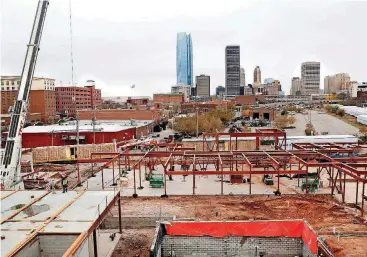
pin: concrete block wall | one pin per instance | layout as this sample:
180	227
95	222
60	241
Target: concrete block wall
31	249
232	246
306	252
55	245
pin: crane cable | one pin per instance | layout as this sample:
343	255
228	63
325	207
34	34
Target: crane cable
71	46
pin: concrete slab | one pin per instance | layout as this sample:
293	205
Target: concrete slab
95	183
76	218
67	227
20	225
4	194
12	239
47	206
17	200
87	207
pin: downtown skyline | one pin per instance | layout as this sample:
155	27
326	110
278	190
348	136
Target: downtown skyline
137	55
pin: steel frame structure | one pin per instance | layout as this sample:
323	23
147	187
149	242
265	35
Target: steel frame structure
280	138
337	160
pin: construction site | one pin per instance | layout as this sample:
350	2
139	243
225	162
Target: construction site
259	193
322	184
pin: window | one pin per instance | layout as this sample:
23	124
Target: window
7	82
12	83
2	83
18	82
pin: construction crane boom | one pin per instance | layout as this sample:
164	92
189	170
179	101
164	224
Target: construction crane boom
10	163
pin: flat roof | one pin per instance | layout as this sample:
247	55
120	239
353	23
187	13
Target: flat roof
47	212
86	126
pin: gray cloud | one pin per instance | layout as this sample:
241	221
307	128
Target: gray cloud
277	35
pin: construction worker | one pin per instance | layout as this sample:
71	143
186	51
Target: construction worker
64	183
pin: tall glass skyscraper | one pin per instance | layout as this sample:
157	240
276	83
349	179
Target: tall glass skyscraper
184	59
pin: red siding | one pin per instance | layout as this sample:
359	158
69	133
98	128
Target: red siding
32	140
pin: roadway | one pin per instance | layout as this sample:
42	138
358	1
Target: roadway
322	123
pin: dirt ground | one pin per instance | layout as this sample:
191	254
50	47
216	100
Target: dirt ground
322	211
134	242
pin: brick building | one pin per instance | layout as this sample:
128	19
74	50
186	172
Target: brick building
41	97
31	118
362	96
249	99
137	101
202	106
120	114
259	113
69	99
169	98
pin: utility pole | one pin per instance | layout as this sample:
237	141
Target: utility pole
94	126
197	122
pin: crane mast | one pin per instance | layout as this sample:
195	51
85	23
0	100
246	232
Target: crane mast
10	163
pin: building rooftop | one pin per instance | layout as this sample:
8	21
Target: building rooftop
26	212
86	126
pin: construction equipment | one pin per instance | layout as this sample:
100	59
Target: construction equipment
10	166
268	179
312	185
156	181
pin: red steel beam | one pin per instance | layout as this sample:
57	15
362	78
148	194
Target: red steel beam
215	172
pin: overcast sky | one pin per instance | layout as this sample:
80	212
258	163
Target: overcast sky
119	43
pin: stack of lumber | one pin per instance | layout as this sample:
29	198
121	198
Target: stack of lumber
63	153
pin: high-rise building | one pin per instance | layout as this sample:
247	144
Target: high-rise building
41	98
310	78
184	63
296	86
336	83
242	77
203	85
257	78
233	76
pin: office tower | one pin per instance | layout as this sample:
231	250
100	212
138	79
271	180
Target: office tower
184	65
296	86
310	78
257	78
203	85
232	62
242	77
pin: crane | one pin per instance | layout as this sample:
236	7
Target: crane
10	163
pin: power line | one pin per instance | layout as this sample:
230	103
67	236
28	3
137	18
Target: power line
71	46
